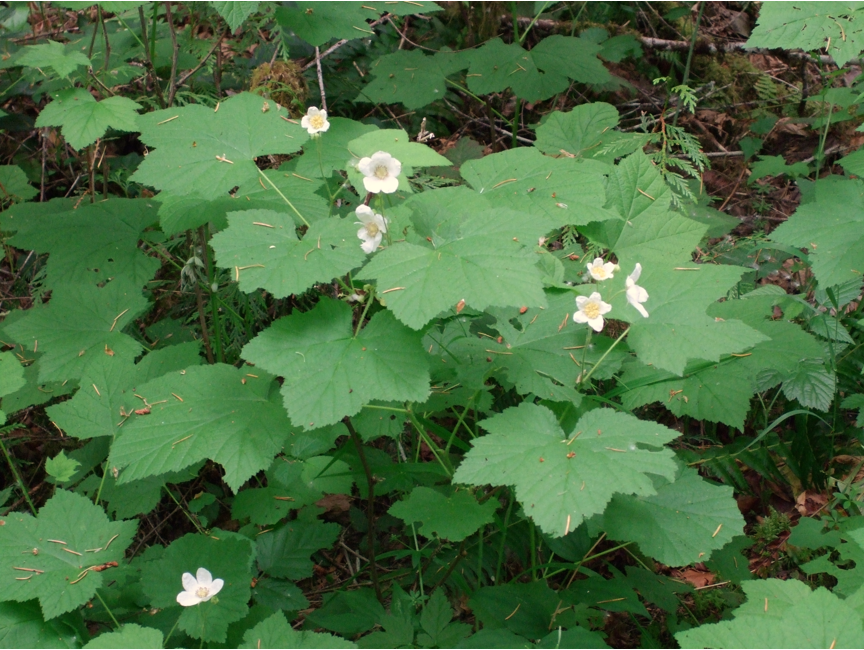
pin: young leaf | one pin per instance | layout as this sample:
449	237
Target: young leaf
205	152
226	556
49	556
90	244
80	322
577	132
349	612
11	374
497	66
218	412
559	479
480	264
61	468
84	120
684	522
329	373
262	248
411	77
782	614
453	516
234	13
318	22
14	184
285	553
52	55
129	636
276	632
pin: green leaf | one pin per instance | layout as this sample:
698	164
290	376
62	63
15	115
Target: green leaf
496	66
453	516
782	614
812	385
318	22
234	13
411	77
226	556
61	468
332	147
52	55
11	374
480	264
276	632
551	192
399	145
89	245
830	228
34	392
107	397
14	184
203	412
559	479
285	553
85	538
349	612
207	153
262	248
279	595
84	120
80	322
776	166
578	131
684	522
835	26
523	608
22	626
129	636
329	373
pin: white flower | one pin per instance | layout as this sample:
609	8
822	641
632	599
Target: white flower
315	121
600	271
591	310
374	227
636	294
200	589
380	172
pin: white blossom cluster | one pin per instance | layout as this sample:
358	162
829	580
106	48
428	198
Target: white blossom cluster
591	309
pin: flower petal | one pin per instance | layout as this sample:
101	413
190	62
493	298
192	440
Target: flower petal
365	213
595	324
189	582
205	578
187	599
216	587
634	277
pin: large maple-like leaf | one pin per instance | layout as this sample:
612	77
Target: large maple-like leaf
330	373
47	556
208	152
84	120
226	414
559	479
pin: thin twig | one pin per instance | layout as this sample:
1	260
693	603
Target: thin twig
339	44
201	63
175	54
148	62
320	79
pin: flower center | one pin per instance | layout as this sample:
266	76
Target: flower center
316	121
591	310
600	272
372	229
202	592
381	172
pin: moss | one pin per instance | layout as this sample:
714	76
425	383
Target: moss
283	82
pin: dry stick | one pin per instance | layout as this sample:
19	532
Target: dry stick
734	189
370	506
93	148
148	62
44	159
321	79
105	34
201	63
175	53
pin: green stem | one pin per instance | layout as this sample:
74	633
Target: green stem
479	99
214	307
515	142
605	354
17	476
176	623
370	298
284	198
430	443
420	564
532	540
514	16
185	512
107	609
820	154
101	484
533	21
